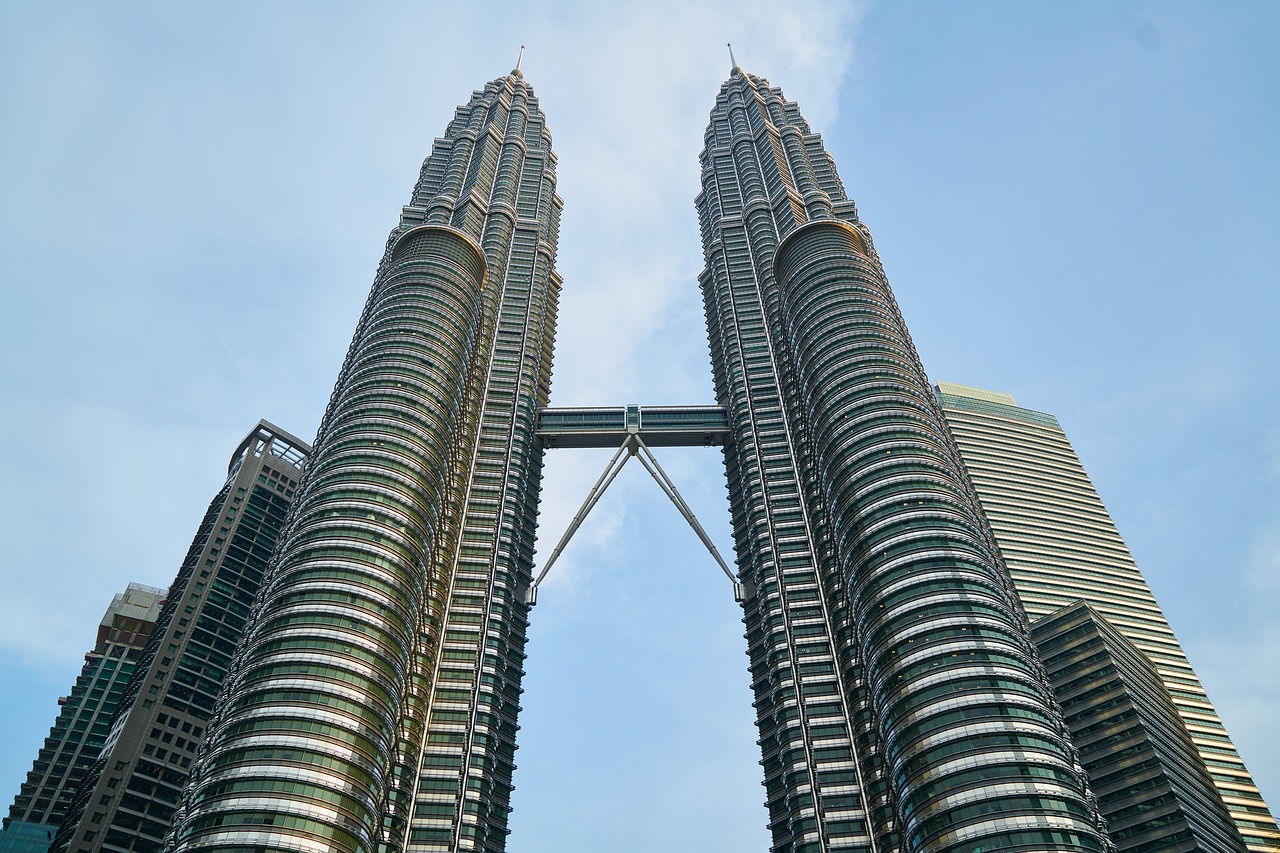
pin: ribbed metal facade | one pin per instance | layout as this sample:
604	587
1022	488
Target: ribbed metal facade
899	701
1061	545
373	703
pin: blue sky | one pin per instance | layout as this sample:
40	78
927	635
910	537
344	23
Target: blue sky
1075	203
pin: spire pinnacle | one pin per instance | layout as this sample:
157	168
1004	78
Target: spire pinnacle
519	62
733	63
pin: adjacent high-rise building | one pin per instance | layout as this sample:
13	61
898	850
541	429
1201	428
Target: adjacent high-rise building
1061	546
374	703
1152	787
126	798
83	723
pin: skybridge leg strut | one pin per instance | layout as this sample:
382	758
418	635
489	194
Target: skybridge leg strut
650	463
634	446
593	497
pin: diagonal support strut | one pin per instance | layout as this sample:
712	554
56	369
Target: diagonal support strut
650	463
593	497
633	445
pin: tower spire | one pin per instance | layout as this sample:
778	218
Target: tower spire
519	62
733	63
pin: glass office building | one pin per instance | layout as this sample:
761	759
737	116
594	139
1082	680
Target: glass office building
83	723
1061	546
1152	787
127	798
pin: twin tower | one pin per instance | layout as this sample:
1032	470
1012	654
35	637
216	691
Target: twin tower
900	703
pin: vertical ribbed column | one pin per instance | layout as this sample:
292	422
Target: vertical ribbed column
974	744
466	759
306	731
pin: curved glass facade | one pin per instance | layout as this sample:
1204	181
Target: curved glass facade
378	681
300	755
945	645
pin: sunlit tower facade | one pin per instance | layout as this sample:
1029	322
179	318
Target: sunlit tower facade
373	703
899	701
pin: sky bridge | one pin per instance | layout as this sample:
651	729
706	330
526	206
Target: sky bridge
657	426
633	430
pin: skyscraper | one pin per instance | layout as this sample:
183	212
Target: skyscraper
83	722
126	799
1061	545
374	702
898	697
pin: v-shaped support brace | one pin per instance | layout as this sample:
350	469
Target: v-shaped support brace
633	445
